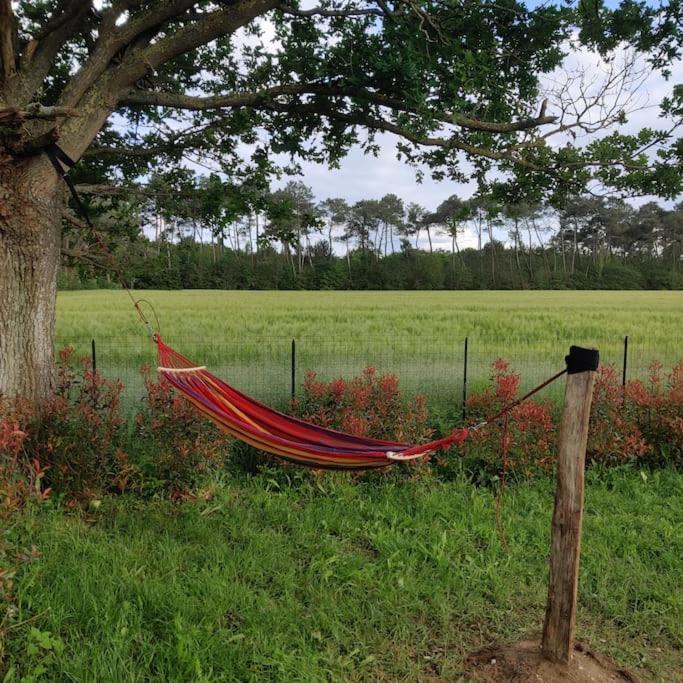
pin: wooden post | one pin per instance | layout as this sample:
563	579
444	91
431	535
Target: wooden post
557	644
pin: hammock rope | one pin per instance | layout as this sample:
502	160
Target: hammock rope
247	419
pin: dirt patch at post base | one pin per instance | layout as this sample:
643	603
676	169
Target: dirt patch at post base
523	662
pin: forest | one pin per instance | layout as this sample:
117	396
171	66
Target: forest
212	238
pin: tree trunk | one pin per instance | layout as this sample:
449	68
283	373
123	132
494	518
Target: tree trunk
493	252
30	233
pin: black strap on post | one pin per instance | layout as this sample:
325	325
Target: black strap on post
582	360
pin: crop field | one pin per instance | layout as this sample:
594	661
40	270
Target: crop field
246	337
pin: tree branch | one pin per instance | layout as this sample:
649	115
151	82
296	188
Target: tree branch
211	26
367	121
133	152
245	99
114	39
38	55
64	11
121	191
322	12
34	111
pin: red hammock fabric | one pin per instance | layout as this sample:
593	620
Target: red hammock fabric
283	435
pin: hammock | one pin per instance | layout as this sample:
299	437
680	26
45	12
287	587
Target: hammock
282	435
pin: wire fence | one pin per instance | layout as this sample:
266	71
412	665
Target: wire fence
446	371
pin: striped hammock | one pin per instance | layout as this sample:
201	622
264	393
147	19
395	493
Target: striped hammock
282	435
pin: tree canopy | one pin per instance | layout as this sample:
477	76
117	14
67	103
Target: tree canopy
242	85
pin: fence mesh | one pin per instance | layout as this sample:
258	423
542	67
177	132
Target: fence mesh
262	367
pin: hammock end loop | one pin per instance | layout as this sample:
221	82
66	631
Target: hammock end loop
400	457
154	334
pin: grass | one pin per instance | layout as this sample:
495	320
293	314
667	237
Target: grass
246	336
331	579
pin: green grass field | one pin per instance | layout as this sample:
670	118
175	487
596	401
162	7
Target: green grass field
338	580
246	336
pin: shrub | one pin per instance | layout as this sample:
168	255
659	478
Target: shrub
174	444
70	443
15	487
642	421
529	439
369	405
660	410
614	435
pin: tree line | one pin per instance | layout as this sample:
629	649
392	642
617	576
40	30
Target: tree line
287	240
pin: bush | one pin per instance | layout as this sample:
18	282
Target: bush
175	446
527	443
70	443
641	422
75	443
15	487
370	405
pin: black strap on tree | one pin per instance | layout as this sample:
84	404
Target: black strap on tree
63	163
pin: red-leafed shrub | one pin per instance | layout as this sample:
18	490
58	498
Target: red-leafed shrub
614	435
642	421
369	405
70	443
175	444
527	444
14	484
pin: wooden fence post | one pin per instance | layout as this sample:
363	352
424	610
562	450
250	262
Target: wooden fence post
557	644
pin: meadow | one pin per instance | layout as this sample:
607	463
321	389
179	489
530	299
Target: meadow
246	336
287	578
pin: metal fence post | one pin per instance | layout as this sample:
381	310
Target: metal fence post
293	368
93	351
623	376
464	383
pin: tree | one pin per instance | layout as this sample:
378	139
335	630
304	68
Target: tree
363	221
336	211
391	215
514	214
205	79
298	219
414	222
452	214
673	248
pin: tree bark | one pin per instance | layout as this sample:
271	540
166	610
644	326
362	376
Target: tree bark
30	232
